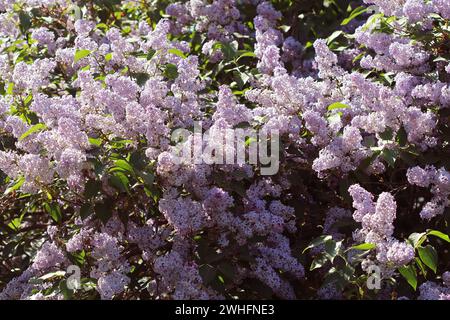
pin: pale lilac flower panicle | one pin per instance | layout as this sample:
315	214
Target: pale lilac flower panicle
325	58
446	278
362	202
416	10
38	172
43	36
433	291
440	181
400	253
443	7
49	256
84	27
420	177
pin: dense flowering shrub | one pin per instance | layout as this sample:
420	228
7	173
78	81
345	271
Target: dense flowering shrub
91	92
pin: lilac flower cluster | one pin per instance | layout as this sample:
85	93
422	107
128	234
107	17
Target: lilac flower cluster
433	291
377	220
439	179
217	19
88	109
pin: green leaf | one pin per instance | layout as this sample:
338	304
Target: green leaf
372	20
120	182
15	186
170	71
364	246
440	59
285	28
25	21
150	54
240	78
429	257
54	210
80	54
36	128
355	13
86	210
318	262
124	165
250	140
103	211
402	137
66	292
337	105
108	56
138	160
388	134
28	100
334	278
334	36
77	12
228	269
317	242
92	188
10	88
227	50
78	258
421	266
332	249
358	57
416	239
208	273
102	26
248	54
177	52
389	156
141	78
148	178
439	234
409	273
52	275
95	141
15	224
388	77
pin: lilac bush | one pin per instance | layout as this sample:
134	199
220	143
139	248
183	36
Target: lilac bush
91	93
